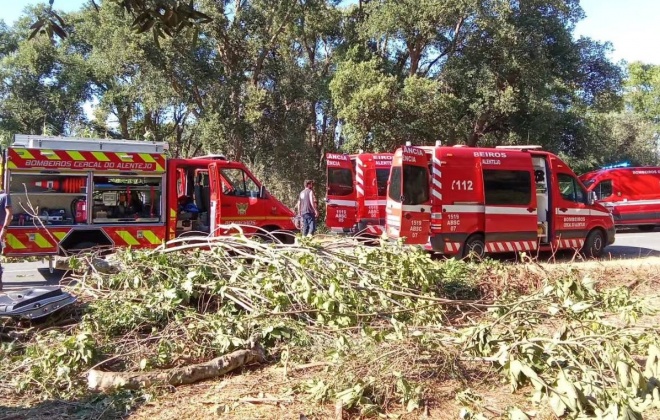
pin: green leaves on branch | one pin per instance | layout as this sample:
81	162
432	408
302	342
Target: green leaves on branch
165	17
50	24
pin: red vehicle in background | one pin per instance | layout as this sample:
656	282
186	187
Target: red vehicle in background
461	200
631	194
357	192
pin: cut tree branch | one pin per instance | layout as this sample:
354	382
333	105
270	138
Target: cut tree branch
98	380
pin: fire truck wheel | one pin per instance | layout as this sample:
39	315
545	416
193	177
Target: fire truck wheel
475	245
593	246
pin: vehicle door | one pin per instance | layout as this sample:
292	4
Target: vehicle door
510	204
240	200
215	210
383	165
571	210
341	204
409	200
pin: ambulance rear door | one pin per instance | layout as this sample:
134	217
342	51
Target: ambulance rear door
341	204
409	199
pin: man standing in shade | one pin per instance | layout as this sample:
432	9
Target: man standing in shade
306	208
5	219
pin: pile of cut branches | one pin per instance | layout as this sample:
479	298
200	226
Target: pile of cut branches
384	321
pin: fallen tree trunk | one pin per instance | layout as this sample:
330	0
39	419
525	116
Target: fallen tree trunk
98	380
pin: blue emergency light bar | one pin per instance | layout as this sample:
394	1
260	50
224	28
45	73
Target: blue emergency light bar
617	165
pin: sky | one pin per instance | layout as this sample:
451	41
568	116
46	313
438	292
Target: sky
630	25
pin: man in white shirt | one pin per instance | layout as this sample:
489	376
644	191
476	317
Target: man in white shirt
307	209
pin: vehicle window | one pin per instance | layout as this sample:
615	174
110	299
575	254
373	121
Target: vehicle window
603	189
507	187
340	181
394	192
179	183
382	175
238	183
570	189
415	185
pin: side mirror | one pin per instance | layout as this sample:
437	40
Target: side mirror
262	191
592	198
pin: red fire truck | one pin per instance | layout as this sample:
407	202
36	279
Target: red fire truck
356	192
462	200
631	194
73	194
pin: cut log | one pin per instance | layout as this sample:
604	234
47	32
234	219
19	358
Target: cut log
98	380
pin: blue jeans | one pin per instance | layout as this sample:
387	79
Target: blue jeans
308	224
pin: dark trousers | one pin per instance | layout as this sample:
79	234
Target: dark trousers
2	248
309	224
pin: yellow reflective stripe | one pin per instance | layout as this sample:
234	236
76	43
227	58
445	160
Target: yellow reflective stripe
24	153
50	155
60	235
100	156
147	157
159	168
75	155
172	213
41	241
11	165
14	243
151	237
127	237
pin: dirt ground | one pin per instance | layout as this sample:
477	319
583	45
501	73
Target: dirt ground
267	392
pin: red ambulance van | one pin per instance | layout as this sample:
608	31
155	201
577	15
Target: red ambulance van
462	200
356	192
631	194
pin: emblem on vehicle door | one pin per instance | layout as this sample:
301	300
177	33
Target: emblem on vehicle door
242	208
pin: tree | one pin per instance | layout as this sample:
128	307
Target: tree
42	89
642	90
497	69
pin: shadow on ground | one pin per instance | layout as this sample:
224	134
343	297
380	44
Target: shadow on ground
100	407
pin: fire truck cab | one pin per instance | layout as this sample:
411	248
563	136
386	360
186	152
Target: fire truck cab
632	194
74	194
461	200
356	192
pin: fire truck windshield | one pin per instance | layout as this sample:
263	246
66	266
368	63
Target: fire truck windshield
381	181
340	181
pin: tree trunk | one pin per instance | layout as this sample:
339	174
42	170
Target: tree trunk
107	381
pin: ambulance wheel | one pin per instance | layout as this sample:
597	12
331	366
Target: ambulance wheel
646	228
475	246
594	245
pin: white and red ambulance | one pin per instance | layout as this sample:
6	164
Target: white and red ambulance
462	200
631	194
356	192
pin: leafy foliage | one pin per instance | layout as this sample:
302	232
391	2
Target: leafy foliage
382	320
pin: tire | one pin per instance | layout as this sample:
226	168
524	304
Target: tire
594	245
646	228
474	246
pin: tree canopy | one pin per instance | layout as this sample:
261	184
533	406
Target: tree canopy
278	83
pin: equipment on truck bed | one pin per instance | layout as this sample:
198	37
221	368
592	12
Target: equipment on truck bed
125	193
